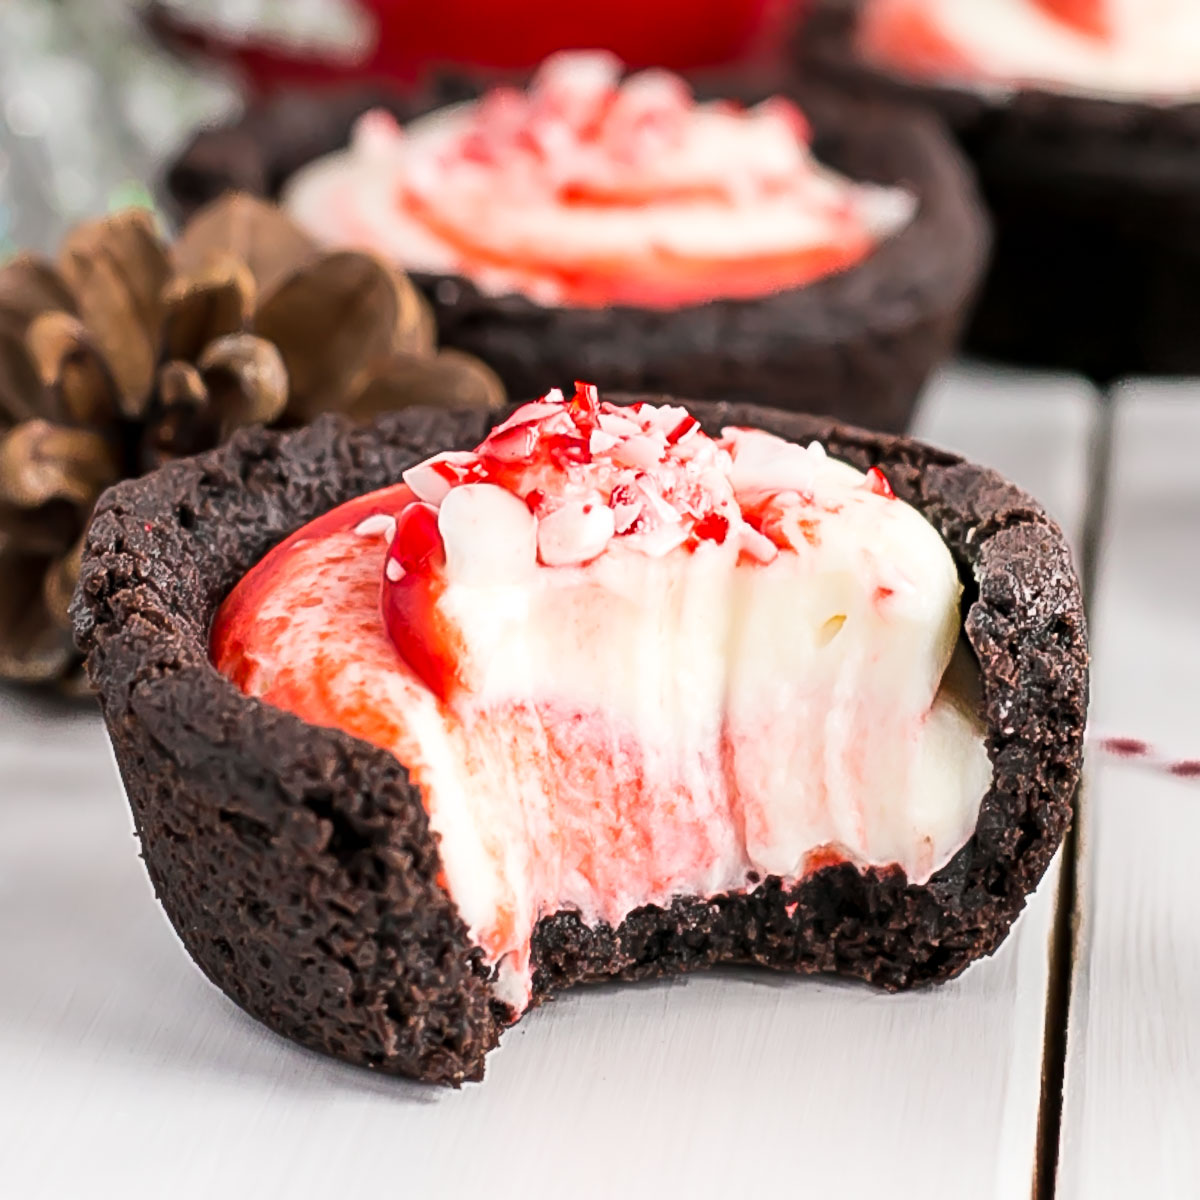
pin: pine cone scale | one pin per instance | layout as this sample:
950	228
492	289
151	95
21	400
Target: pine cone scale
22	393
72	368
246	379
32	647
331	319
258	234
58	586
45	532
130	353
117	270
41	462
202	308
30	285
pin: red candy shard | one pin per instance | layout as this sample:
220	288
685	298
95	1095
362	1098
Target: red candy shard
584	407
712	527
564	448
513	445
877	481
687	424
448	471
418	631
410	598
418	543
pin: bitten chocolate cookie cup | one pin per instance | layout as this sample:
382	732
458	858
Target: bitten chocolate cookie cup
297	863
1095	204
858	345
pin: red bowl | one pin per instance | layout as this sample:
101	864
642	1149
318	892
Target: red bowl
411	35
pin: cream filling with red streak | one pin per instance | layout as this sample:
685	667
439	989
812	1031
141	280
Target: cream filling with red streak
627	662
587	191
1119	48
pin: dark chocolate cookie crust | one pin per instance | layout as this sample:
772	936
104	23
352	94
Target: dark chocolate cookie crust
1095	204
859	344
297	864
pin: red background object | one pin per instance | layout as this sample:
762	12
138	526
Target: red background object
412	35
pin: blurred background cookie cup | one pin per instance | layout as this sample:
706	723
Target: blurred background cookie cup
857	342
1093	190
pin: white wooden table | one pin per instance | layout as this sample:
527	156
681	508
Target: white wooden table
124	1073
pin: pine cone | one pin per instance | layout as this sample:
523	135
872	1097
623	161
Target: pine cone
127	353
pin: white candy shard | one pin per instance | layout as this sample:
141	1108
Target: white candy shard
601	442
764	464
376	525
576	82
658	508
430	484
659	540
575	534
489	534
758	547
643	451
618	425
536	411
378	135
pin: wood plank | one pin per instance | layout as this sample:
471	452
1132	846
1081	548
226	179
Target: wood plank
1032	428
1132	1107
132	1071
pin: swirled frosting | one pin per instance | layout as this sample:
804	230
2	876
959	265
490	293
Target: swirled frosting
589	191
1119	48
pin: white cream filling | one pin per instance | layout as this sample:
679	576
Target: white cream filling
654	722
781	709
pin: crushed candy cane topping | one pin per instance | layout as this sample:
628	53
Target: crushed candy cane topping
589	189
592	475
567	480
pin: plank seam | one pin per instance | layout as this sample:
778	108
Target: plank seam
1065	937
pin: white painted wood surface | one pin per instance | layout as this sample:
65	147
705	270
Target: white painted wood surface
1131	1123
122	1072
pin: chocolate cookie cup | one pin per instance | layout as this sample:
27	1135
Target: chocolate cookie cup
1096	264
858	345
297	863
